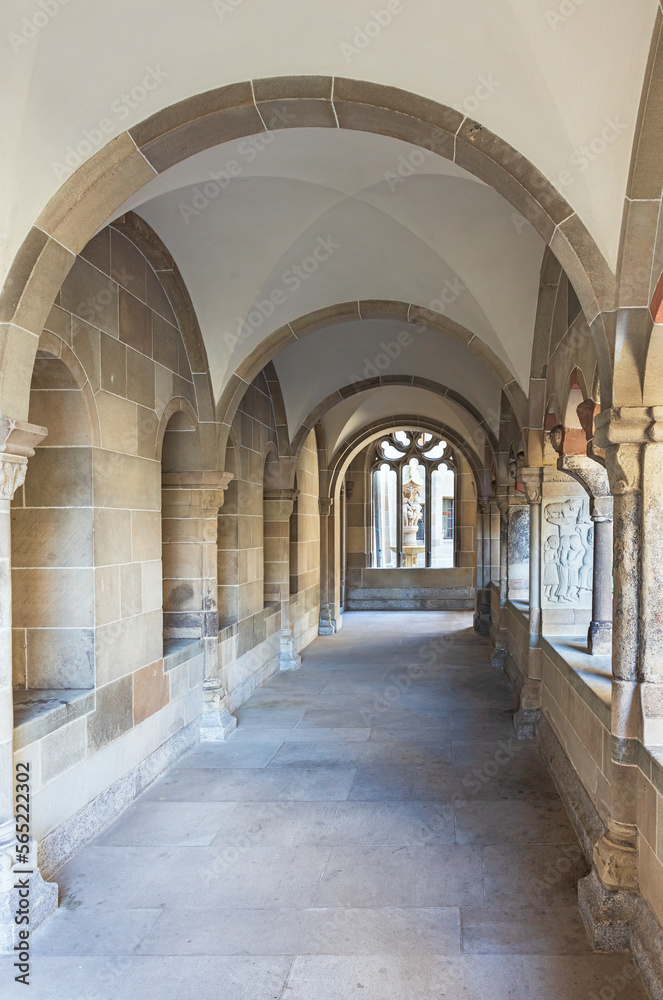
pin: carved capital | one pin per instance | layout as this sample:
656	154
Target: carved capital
602	508
325	504
484	505
349	488
280	508
624	465
532	478
18	441
628	425
12	475
199	491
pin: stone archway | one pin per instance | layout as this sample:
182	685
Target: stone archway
91	195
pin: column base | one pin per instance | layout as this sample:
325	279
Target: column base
525	722
217	726
498	659
288	659
43	901
482	619
599	638
326	624
616	865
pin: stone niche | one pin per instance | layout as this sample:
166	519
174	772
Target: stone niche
567	550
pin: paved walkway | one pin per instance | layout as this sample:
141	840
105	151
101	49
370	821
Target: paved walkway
371	831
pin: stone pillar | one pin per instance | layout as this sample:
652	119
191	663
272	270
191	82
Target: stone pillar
17	443
634	461
599	637
278	506
326	624
190	516
529	712
482	616
499	654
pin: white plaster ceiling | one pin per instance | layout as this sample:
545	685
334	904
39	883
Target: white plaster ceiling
440	239
352	415
337	356
556	74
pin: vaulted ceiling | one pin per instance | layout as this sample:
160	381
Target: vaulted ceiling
379	219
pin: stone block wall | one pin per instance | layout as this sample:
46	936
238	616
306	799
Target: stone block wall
305	603
95	697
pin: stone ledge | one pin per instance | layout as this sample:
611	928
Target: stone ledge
40	712
590	676
176	651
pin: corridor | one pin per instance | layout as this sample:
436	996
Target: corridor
371	830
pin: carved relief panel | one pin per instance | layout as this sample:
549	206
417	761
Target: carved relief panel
567	553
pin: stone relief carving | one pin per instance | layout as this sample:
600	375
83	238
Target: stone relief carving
568	553
12	475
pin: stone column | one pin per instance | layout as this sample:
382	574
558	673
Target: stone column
190	517
499	654
634	461
17	443
594	477
482	617
529	712
518	547
278	506
326	625
599	637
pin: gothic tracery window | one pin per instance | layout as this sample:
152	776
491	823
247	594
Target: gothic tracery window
414	493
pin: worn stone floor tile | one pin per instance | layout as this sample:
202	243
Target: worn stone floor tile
338	845
494	930
87	931
321	931
506	821
231	754
251	874
164	977
280	718
283	824
382	782
405	876
550	977
392	823
255	736
171	824
363	754
537	876
383	977
253	784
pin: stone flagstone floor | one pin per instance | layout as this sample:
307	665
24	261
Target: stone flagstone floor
371	831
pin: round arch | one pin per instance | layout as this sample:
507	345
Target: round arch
342	458
389	380
350	312
103	183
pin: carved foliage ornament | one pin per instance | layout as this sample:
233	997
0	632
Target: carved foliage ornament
12	475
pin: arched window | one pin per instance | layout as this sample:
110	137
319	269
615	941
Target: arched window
414	501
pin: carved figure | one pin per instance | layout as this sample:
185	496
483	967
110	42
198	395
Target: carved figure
550	569
570	548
